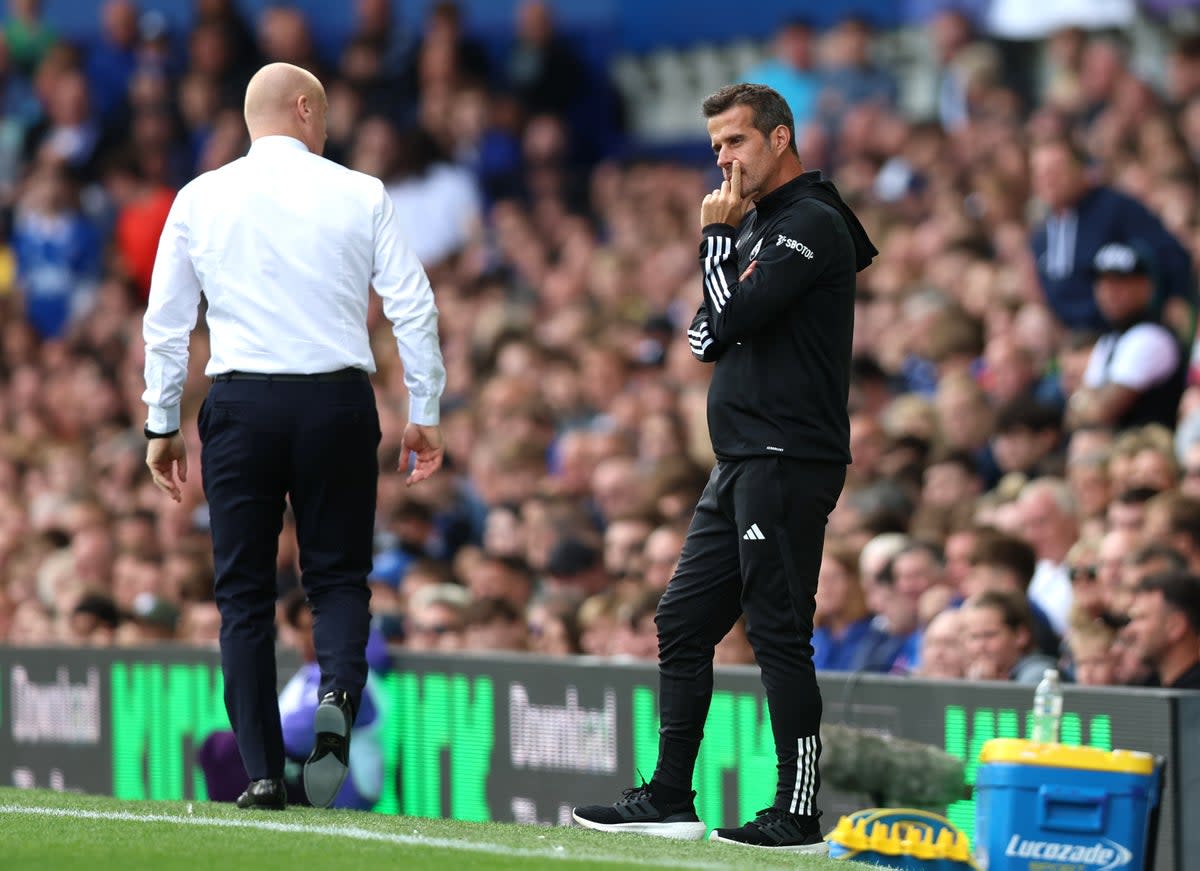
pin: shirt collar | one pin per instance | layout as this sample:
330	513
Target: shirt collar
783	194
276	143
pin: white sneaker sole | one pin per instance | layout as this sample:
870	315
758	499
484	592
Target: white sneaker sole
820	849
323	778
674	831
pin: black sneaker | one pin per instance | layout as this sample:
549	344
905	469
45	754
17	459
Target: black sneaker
327	766
779	830
638	812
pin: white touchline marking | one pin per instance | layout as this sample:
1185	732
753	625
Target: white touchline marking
550	852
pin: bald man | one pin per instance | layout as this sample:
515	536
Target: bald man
284	246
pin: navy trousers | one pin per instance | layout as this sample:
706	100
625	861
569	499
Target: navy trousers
316	442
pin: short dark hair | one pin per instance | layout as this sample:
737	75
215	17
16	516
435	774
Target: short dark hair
1013	607
1027	413
1149	553
481	612
1183	516
101	606
769	107
945	456
999	549
1074	150
1180	590
920	545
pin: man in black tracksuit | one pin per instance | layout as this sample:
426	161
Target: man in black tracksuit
777	320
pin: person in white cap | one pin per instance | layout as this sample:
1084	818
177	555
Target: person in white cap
1136	372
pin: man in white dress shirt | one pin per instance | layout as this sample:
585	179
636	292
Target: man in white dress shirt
284	246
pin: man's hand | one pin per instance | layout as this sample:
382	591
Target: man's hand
164	457
426	442
727	205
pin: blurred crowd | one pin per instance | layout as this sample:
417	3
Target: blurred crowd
1026	434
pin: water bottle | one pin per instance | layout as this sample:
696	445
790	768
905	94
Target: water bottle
1047	708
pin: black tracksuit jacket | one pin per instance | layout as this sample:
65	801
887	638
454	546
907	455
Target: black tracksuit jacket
781	339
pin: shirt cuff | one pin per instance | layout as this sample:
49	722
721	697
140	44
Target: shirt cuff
424	410
162	419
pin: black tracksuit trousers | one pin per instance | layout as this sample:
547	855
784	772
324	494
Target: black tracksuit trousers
754	547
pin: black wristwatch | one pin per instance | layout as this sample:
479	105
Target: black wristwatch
151	434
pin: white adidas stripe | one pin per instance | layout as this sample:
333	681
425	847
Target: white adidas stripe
802	795
714	276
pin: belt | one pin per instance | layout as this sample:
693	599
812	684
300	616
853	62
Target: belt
348	374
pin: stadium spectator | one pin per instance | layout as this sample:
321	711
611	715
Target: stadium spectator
435	618
998	636
224	775
892	641
1173	519
849	77
942	651
494	623
1136	371
1049	523
27	36
1142	563
1087	476
1027	438
1082	218
1007	564
1093	657
58	250
1112	555
791	69
552	626
841	620
543	69
1164	628
141	213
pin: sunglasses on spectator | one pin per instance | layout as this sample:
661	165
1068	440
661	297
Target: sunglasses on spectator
433	628
1082	573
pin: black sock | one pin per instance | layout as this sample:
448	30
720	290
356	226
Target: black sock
669	794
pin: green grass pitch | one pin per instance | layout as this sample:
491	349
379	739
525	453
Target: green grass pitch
44	831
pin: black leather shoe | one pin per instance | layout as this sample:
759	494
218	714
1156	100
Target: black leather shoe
326	768
269	794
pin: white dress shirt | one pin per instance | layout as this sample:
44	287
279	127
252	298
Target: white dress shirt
1050	589
285	246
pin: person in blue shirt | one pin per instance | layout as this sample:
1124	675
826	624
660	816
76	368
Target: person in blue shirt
892	642
112	58
1081	219
851	78
298	706
791	69
224	775
58	251
841	619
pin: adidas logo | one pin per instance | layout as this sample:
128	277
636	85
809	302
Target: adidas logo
754	534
